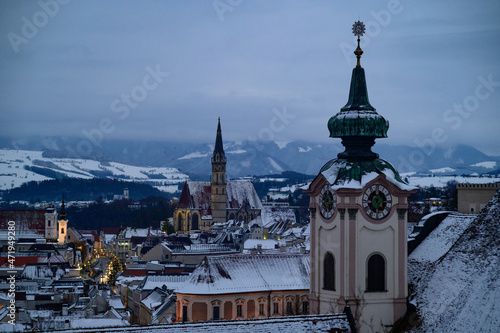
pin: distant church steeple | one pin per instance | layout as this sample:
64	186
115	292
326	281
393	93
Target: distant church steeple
62	224
63	210
218	181
219	156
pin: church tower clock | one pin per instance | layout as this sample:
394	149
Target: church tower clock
358	205
218	181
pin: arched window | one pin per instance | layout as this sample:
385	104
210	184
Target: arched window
179	222
376	273
62	230
329	272
194	222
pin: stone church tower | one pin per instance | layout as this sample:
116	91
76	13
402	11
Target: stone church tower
63	225
218	181
51	223
358	205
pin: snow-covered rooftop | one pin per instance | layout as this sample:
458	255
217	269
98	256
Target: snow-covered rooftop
336	322
455	273
197	194
154	299
341	173
271	215
151	282
248	273
442	238
265	244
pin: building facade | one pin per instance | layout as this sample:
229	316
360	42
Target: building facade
203	203
358	205
472	198
245	287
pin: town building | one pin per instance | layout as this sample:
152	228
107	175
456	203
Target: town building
32	225
358	205
203	203
245	287
168	283
472	198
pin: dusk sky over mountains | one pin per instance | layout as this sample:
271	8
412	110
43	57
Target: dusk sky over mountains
277	70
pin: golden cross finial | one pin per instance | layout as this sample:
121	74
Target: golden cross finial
358	29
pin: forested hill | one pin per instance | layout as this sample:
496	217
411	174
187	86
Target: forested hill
75	189
148	212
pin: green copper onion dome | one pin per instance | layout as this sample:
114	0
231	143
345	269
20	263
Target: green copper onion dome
358	117
357	123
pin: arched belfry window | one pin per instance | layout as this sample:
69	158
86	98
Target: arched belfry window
329	272
375	280
179	222
195	222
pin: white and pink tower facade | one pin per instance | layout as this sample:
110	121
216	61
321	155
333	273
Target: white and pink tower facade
358	206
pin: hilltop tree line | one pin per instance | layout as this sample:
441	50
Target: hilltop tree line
75	189
148	212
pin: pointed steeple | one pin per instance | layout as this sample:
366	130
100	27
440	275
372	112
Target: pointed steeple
218	182
358	123
63	210
218	156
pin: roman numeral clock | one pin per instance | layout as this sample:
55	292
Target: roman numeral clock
328	202
377	202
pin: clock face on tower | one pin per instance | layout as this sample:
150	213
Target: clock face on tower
328	201
377	202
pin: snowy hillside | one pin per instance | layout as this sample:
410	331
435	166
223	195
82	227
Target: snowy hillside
257	157
20	166
454	273
441	181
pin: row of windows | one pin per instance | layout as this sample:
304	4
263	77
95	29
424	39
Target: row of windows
217	191
194	222
275	310
375	273
262	309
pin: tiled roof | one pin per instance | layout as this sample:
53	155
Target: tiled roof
154	299
110	231
151	282
271	215
197	195
28	222
248	273
238	191
93	233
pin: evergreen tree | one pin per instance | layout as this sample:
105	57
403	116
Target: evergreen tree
115	267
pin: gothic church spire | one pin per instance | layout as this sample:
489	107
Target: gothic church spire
218	156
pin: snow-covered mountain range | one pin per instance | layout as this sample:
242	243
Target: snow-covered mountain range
21	166
164	164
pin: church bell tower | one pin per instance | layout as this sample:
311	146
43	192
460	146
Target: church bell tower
218	181
63	225
358	206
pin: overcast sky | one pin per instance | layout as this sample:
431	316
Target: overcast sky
165	70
